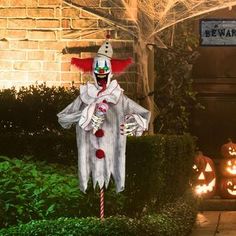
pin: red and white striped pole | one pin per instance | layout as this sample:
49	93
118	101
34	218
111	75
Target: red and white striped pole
102	203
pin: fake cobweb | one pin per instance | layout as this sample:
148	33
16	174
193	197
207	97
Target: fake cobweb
146	18
142	21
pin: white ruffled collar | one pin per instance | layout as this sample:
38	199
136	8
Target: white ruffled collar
88	93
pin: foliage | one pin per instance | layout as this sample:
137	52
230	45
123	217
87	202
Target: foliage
158	171
168	222
38	191
32	110
174	93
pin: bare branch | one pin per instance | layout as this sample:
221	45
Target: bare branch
116	23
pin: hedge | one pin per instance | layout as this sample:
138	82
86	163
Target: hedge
33	109
174	219
158	170
38	191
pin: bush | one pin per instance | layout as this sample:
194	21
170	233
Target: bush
168	222
32	110
38	191
158	170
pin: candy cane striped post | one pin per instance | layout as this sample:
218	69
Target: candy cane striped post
102	204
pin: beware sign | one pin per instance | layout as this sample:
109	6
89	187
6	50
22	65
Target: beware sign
217	32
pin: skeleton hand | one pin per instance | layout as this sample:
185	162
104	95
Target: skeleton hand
99	116
129	127
97	122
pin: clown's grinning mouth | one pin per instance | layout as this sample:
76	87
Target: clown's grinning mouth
101	78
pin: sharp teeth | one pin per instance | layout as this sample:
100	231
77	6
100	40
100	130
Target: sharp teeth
101	76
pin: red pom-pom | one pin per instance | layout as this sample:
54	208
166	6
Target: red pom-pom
99	133
100	154
108	36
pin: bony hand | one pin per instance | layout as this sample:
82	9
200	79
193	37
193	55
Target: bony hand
99	116
97	122
129	128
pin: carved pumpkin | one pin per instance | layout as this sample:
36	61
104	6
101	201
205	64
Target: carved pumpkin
228	167
205	177
228	150
228	164
228	188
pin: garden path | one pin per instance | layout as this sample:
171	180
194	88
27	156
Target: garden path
215	223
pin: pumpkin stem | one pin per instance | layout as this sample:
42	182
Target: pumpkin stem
229	140
199	153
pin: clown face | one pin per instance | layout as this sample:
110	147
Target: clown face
102	71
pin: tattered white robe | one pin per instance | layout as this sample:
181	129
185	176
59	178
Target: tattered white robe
80	112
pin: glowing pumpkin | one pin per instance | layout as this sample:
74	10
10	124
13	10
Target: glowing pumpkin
228	188
205	176
228	164
228	167
228	150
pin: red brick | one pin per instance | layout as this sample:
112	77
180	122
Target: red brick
40	12
81	23
49	45
4	45
66	23
12	55
6	65
4	3
3	23
17	3
86	15
43	76
12	12
24	44
47	24
40	34
50	2
13	75
78	43
36	55
70	12
70	76
16	34
67	57
27	65
49	56
21	23
65	66
51	66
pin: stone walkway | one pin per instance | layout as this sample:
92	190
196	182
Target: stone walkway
215	223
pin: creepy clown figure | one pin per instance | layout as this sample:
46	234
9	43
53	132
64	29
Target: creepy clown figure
103	116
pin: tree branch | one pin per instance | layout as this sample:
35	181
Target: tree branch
107	18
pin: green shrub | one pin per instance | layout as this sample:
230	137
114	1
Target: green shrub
38	191
158	170
168	222
33	109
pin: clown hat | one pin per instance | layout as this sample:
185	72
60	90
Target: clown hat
118	65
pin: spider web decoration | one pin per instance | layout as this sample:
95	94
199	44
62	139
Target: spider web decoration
143	21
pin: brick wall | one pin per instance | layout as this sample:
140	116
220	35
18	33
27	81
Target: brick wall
34	32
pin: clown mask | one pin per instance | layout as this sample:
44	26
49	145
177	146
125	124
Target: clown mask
102	73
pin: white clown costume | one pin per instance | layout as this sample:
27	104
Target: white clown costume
103	116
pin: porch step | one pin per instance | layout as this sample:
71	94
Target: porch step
218	204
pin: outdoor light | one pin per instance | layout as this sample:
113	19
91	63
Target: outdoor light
205	178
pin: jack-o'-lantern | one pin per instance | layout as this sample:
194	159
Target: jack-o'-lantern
205	177
228	188
228	164
228	150
228	167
